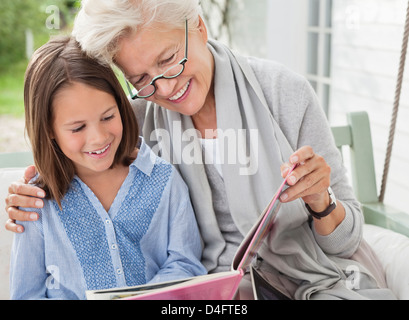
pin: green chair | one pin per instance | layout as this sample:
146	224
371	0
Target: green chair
357	135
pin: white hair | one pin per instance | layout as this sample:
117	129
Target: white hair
101	23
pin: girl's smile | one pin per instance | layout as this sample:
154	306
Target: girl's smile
99	153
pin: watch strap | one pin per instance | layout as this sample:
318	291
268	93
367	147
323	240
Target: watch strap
328	210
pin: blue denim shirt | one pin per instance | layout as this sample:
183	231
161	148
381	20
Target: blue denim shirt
148	235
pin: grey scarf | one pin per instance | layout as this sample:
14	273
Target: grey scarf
254	148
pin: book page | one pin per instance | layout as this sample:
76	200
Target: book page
219	285
253	240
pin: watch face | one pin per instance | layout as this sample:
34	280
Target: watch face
332	196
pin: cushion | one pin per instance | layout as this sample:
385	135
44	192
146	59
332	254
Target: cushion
392	249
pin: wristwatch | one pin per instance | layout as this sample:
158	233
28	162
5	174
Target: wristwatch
330	208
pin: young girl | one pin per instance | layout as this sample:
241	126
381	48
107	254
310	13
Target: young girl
115	215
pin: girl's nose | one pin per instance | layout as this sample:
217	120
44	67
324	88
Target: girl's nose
98	135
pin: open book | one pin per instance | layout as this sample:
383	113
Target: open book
217	286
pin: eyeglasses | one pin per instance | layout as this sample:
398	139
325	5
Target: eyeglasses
172	72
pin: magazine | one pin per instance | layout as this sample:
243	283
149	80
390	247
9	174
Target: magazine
216	286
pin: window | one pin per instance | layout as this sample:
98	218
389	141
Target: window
319	32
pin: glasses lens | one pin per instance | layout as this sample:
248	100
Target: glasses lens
146	91
173	71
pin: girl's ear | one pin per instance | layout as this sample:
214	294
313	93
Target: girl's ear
202	29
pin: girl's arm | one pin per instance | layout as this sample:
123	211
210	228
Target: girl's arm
27	268
184	248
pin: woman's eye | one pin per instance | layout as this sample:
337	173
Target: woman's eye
169	60
108	118
139	81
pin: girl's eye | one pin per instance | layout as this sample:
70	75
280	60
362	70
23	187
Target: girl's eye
78	129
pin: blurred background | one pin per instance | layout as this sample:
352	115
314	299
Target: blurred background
348	49
26	25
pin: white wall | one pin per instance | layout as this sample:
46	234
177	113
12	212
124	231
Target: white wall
367	37
286	34
366	41
249	20
247	23
272	29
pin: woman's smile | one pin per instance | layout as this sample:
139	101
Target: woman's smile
182	93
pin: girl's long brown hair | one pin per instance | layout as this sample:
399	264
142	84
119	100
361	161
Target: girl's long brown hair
55	65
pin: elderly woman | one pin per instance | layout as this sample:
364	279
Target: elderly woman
233	125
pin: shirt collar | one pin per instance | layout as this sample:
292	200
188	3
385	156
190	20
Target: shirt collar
146	159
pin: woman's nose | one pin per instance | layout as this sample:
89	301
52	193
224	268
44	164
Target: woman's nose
165	87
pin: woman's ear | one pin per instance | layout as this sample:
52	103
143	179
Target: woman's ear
202	29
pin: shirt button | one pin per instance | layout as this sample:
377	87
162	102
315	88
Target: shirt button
114	246
107	221
118	271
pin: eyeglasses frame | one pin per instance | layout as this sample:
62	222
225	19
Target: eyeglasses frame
161	76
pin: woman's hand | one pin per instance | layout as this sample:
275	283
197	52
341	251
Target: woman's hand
21	194
310	181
